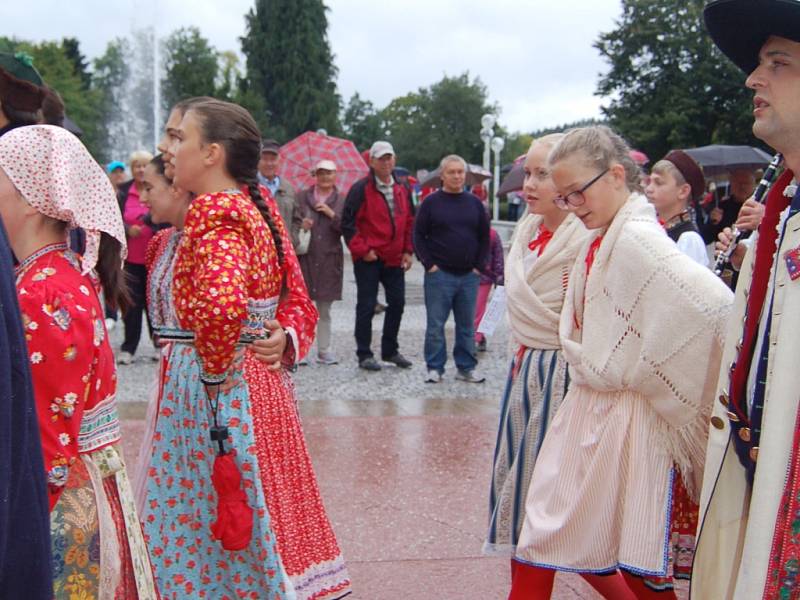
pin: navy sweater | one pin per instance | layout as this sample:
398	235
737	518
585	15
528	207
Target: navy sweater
451	231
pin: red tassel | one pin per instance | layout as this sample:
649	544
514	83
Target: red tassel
234	524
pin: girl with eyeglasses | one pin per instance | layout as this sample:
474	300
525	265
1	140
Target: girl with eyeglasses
641	329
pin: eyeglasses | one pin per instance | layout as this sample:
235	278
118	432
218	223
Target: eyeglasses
576	198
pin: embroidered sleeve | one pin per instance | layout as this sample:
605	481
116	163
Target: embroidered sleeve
220	302
210	280
59	331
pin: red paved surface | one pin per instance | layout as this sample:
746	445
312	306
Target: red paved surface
407	498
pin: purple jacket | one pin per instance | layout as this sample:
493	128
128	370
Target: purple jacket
492	271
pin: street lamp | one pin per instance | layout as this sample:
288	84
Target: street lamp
487	122
497	146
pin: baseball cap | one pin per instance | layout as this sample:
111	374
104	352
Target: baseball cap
381	149
269	145
327	165
114	165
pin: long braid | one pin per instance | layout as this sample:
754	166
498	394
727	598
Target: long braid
234	128
261	205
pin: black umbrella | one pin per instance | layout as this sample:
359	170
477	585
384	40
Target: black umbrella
717	159
475	174
72	126
513	181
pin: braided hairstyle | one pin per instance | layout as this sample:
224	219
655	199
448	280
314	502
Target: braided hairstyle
235	129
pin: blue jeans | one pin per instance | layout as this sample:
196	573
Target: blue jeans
445	292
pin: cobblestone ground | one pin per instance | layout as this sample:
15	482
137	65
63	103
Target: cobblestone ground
403	466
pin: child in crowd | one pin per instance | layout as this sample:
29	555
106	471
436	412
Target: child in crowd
677	183
491	276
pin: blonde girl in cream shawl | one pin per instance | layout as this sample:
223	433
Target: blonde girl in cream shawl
545	245
641	329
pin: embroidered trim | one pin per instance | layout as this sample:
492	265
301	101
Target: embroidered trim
23	266
99	426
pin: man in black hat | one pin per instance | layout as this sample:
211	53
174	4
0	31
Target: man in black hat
749	542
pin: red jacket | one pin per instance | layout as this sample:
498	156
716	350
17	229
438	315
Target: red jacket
368	225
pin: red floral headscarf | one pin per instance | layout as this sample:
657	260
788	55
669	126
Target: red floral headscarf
56	175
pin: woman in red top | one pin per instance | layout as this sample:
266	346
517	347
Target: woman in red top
49	183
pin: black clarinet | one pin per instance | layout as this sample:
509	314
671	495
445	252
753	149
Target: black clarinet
759	196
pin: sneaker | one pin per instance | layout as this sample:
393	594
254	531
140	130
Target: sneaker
369	364
124	358
433	376
470	377
303	362
326	358
399	360
480	345
110	324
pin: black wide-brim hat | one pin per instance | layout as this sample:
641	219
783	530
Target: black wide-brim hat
739	28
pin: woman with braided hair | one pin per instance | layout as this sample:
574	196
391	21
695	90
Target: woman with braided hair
236	283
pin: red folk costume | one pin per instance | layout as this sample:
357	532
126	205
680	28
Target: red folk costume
226	268
96	537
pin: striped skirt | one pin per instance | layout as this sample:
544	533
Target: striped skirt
537	383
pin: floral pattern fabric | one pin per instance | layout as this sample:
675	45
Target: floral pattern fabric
96	537
265	433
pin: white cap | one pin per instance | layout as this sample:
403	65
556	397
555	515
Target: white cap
381	149
327	165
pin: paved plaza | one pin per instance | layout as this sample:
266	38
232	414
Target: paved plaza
403	466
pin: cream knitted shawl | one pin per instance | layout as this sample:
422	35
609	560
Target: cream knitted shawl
653	322
534	297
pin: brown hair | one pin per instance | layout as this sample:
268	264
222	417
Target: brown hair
235	129
111	275
601	148
52	107
185	104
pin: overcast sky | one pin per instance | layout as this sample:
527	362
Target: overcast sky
535	56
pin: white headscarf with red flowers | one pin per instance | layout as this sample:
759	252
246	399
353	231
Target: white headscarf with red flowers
58	177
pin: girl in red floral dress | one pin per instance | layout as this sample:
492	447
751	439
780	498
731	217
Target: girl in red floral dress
48	183
232	268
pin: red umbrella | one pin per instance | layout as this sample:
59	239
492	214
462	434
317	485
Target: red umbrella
301	155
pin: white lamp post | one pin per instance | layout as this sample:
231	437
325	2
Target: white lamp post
497	146
487	122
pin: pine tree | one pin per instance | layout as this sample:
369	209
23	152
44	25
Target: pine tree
290	65
669	85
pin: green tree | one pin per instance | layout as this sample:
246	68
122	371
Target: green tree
228	76
290	65
190	66
443	119
362	123
566	127
669	85
72	49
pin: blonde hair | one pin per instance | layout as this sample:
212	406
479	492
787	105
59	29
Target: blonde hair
140	156
601	148
668	167
549	140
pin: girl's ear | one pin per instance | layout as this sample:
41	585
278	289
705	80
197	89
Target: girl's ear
215	155
618	174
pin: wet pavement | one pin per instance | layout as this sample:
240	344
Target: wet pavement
403	466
